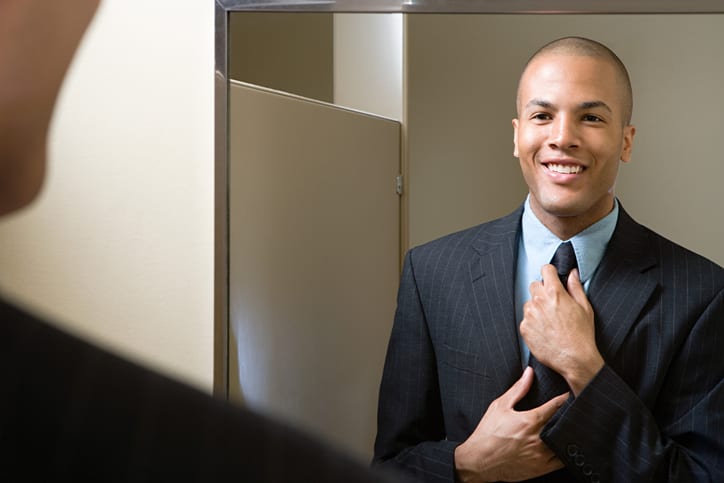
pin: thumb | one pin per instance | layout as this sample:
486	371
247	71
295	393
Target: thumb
575	288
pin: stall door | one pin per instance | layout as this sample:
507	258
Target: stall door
314	261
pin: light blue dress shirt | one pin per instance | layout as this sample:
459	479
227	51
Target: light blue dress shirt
537	246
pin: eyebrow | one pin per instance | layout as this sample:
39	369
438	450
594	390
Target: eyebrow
594	104
582	106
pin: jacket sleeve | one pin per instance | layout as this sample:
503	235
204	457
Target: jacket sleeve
410	427
608	434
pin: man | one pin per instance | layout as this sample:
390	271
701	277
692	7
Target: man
70	411
625	382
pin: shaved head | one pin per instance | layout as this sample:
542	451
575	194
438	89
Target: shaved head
579	46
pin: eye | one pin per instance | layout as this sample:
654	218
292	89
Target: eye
591	118
541	116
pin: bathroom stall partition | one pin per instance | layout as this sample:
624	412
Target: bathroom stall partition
314	221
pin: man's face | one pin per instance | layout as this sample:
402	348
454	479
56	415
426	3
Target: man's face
569	137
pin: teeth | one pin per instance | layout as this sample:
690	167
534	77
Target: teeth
565	168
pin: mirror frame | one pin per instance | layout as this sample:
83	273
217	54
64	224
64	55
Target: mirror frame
221	85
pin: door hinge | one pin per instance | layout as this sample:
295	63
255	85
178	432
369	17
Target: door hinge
399	184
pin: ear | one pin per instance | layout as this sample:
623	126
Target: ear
515	137
628	137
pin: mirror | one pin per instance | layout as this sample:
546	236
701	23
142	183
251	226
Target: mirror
461	70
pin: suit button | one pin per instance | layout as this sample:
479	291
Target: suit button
587	470
579	460
572	450
595	478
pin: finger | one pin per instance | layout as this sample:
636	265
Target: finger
550	275
575	288
549	408
534	287
520	388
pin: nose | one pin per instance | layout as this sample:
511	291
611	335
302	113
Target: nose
563	133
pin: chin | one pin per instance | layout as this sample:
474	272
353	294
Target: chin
578	208
557	206
19	191
13	200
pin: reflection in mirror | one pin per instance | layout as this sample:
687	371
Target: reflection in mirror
460	92
351	60
459	89
283	51
314	219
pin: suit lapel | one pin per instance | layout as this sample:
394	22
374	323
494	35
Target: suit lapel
618	293
620	288
492	269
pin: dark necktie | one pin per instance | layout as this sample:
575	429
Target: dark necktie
547	383
564	259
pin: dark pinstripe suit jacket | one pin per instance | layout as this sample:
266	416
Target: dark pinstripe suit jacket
655	412
71	412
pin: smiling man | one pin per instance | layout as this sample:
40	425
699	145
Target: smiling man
564	342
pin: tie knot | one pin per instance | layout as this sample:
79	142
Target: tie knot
564	260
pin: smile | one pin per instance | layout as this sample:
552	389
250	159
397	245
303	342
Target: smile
565	168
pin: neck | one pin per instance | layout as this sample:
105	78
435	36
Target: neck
566	227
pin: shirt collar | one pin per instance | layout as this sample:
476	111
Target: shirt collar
589	245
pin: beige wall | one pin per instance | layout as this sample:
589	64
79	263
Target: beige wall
119	248
353	60
368	63
462	74
284	51
459	105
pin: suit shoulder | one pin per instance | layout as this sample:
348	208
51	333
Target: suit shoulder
685	261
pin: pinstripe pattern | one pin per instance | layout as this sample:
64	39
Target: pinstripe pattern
654	413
